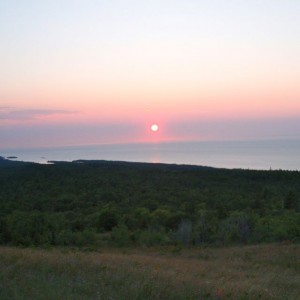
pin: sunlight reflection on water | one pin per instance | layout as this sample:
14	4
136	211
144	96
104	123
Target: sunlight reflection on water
275	154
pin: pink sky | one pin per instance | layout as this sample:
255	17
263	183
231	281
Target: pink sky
83	73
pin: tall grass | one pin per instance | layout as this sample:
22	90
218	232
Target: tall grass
254	272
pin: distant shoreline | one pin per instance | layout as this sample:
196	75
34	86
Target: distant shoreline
151	165
254	155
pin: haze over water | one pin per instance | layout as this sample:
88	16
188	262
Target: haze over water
272	154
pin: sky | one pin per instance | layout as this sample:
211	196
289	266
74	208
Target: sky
75	72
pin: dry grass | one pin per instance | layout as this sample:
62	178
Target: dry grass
252	272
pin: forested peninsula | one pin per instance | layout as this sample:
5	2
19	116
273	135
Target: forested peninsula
105	203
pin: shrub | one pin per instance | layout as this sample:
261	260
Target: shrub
80	238
151	238
121	236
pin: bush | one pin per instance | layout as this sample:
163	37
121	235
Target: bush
80	238
151	238
237	228
29	228
121	236
107	218
206	227
278	228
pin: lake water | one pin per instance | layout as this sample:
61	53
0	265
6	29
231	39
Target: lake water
275	154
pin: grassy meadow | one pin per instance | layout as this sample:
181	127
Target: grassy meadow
248	272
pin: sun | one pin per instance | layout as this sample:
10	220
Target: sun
154	127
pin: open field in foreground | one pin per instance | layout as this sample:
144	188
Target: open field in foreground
250	272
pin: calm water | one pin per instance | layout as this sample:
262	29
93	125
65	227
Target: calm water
275	154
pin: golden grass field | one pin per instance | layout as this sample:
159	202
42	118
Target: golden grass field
249	272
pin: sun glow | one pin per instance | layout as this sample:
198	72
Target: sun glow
154	127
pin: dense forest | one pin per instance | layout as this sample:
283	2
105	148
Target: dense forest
96	203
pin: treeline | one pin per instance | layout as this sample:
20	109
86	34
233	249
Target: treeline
94	203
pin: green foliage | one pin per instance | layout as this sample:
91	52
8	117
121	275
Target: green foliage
121	236
278	227
148	204
160	217
152	238
81	238
108	218
27	229
139	218
236	228
206	227
291	201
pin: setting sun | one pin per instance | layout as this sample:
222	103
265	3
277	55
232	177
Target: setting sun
154	127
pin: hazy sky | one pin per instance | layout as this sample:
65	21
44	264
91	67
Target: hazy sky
82	72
